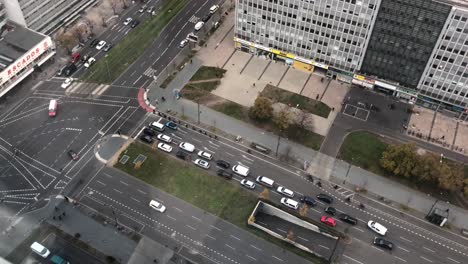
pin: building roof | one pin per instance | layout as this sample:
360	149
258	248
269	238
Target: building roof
455	3
16	41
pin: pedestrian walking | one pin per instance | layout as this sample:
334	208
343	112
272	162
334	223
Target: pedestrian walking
163	99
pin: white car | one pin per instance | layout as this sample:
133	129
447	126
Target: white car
199	25
214	8
285	191
378	228
164	138
183	43
90	62
187	146
100	45
128	21
290	203
205	155
241	170
67	83
248	184
157	206
164	147
202	163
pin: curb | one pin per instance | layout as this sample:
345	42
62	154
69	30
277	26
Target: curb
147	102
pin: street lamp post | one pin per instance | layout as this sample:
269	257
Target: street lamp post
115	217
198	111
277	145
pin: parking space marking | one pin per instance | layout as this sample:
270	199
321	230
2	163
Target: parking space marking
278	258
198	219
235	237
428	249
211	237
215	227
191	227
403	249
136	200
348	257
456	261
324	247
229	246
426	259
358	229
251	257
400	259
407	240
171	217
256	248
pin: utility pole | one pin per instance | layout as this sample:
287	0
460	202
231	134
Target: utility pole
277	145
198	110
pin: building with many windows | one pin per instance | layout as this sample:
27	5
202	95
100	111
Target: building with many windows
45	16
3	18
411	49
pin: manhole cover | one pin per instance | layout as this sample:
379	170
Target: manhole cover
140	158
124	159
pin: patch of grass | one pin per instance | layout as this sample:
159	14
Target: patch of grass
196	91
363	149
232	109
133	45
167	81
195	186
465	169
304	103
304	136
207	72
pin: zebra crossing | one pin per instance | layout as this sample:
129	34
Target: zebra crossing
194	19
345	192
86	88
149	72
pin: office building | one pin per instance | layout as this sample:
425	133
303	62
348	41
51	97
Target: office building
45	16
389	45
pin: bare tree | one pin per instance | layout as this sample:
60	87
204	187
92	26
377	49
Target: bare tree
66	40
113	6
301	118
124	4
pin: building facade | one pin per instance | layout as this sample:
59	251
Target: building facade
45	16
3	18
389	45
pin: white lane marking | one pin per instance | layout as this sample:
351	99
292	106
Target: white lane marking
346	256
406	239
177	209
196	218
117	190
191	227
456	261
281	230
101	182
247	158
358	229
137	79
403	249
425	259
141	191
315	210
277	258
256	247
107	175
211	142
174	135
428	249
194	139
211	237
302	238
400	258
230	246
251	257
235	237
171	217
124	183
378	249
135	200
227	153
215	227
324	247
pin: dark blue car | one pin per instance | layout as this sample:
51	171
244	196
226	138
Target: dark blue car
171	125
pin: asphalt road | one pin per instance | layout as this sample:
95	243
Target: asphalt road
416	240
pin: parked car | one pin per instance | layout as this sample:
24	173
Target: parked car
181	155
40	249
157	206
148	131
325	198
134	23
225	174
376	227
146	138
289	203
90	62
164	138
348	219
308	200
164	147
66	83
223	164
241	170
285	191
202	163
380	242
73	155
330	210
248	184
328	221
205	155
93	43
100	45
56	259
187	146
70	69
199	25
206	17
171	125
142	9
183	43
150	9
127	21
214	8
108	47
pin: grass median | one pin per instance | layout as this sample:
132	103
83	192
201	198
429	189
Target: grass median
127	51
192	184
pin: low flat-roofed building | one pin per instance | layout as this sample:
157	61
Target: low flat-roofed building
21	51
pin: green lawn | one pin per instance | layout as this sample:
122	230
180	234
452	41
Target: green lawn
207	72
304	137
304	103
196	91
233	110
364	150
116	61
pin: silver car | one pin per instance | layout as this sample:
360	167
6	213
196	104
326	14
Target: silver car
202	163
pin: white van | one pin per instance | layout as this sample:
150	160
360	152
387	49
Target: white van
290	203
265	181
53	108
157	126
40	250
241	170
199	25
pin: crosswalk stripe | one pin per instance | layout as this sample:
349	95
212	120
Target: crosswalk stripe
194	19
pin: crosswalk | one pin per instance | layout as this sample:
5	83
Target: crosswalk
86	88
149	72
194	19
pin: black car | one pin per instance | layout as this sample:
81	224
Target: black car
149	132
330	210
146	138
348	219
308	200
225	174
325	198
134	23
181	155
206	18
73	155
69	70
380	242
93	43
223	164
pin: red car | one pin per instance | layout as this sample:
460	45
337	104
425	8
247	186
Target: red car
328	221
